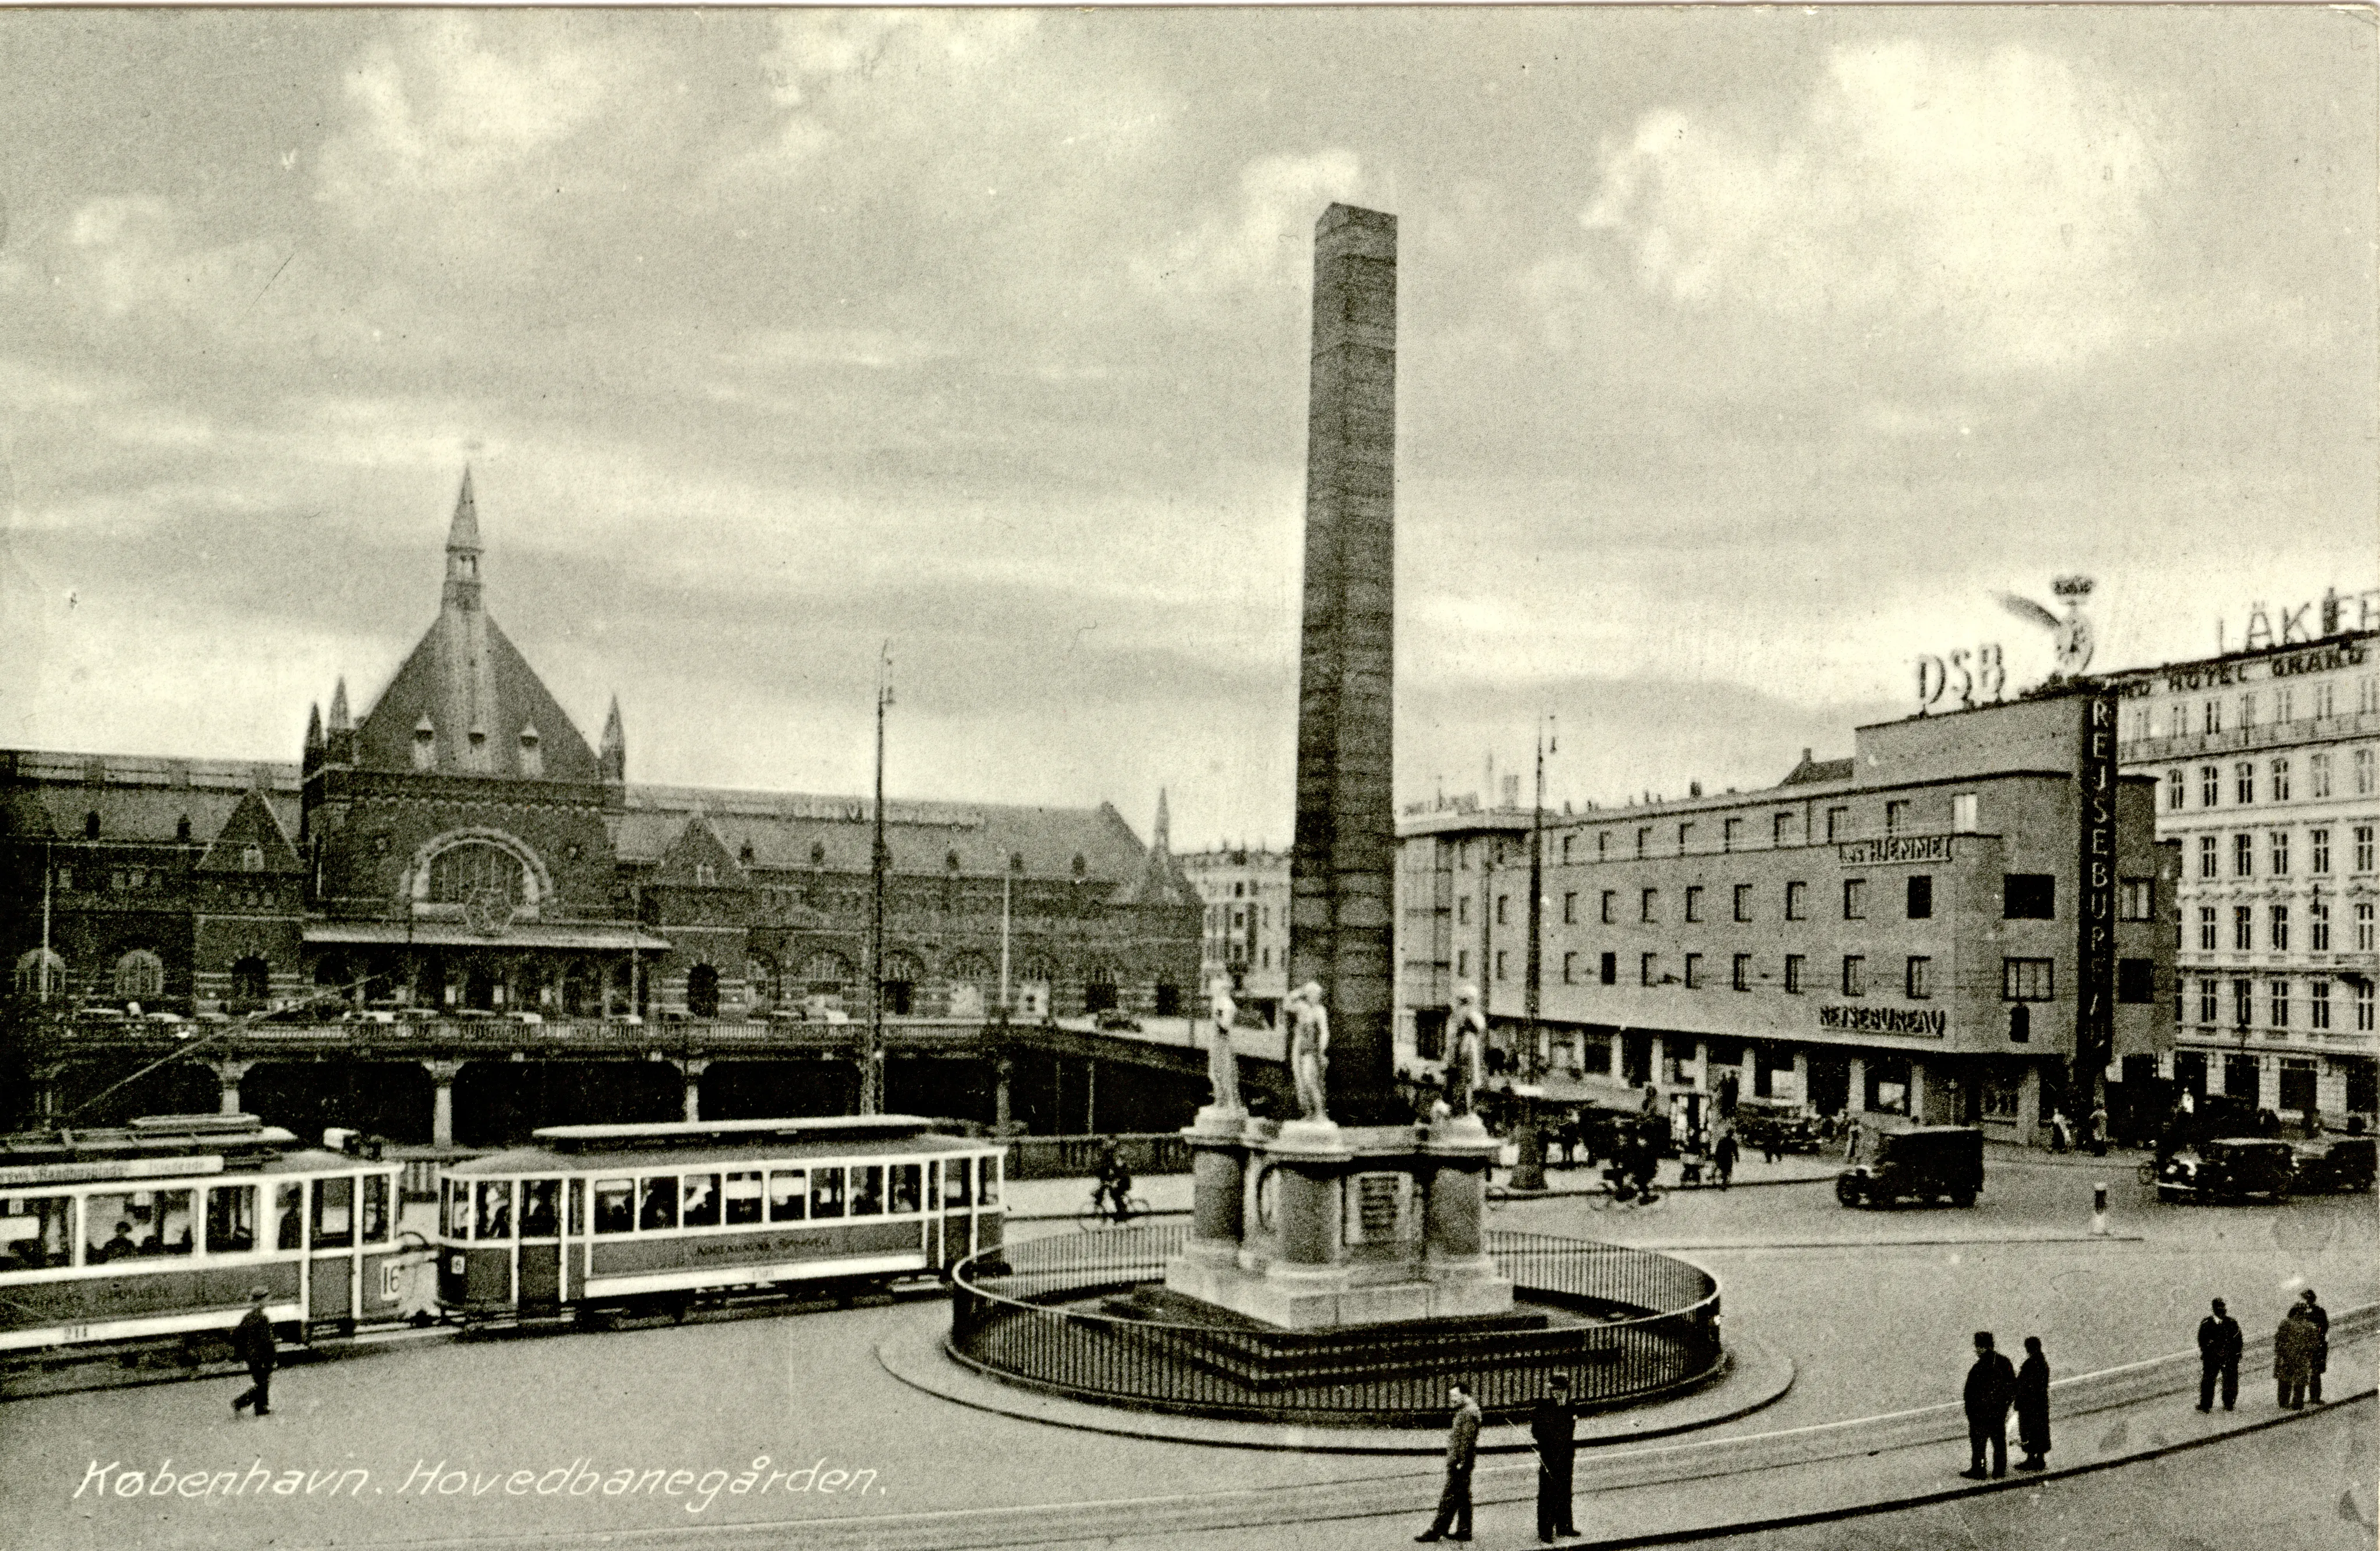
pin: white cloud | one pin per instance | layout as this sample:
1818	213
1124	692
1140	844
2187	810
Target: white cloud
1264	240
2002	202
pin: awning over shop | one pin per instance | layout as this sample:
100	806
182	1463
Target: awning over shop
450	934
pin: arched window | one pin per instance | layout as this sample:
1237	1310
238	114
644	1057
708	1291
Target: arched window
1098	989
825	973
250	979
532	753
901	973
41	974
182	829
702	991
461	873
139	974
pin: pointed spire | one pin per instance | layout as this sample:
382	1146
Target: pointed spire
463	552
612	755
1158	839
314	726
340	721
464	533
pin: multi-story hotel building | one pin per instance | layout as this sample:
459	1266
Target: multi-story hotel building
1246	891
1931	929
2265	763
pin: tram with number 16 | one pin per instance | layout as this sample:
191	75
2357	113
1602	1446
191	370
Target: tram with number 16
592	1220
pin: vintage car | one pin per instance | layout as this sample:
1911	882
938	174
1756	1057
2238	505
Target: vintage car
1770	1124
1923	1162
2229	1169
2333	1163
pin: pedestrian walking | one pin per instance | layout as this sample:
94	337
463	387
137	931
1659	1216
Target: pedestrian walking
2099	1131
2320	1317
1991	1386
251	1341
1453	1520
2293	1350
2058	1131
2032	1407
1724	1157
2218	1358
1551	1426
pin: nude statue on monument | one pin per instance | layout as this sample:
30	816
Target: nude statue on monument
1309	1042
1222	1066
1466	1060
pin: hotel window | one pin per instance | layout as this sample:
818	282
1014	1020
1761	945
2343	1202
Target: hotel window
2209	864
2318	1005
1921	897
1462	910
2210	717
1854	898
1744	902
2027	979
2243	782
2278	1002
1649	970
1921	979
2207	931
1839	824
1462	962
1796	966
1501	901
2364	773
1694	901
1566	840
1570	909
2243	927
2363	929
1742	976
2367	694
1649	906
1608	969
2176	789
1644	840
1781	829
2285	704
2280	852
2029	896
2243	1002
1797	903
1602	845
2318	844
1693	971
1685	834
1731	833
2210	785
2210	1005
2248	710
2363	848
1611	906
2318	774
1854	974
1896	816
2278	936
2280	781
2318	919
2243	855
1569	969
2137	900
2178	718
1499	964
2363	1007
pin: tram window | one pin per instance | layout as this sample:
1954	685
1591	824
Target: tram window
231	1219
987	1192
495	1210
744	1197
789	1192
112	1230
375	1209
335	1212
905	1187
36	1231
959	1168
933	1184
578	1207
868	1190
657	1203
700	1204
615	1209
540	1218
457	1223
289	1214
826	1193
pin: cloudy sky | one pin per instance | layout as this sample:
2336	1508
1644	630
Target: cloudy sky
1743	358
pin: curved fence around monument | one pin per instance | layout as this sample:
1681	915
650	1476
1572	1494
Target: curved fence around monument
1068	1316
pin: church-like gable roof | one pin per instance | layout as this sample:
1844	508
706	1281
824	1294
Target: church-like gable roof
385	739
252	823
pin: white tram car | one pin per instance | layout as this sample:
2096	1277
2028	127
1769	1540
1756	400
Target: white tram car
158	1229
658	1216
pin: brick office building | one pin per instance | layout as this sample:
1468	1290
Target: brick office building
1245	893
1909	931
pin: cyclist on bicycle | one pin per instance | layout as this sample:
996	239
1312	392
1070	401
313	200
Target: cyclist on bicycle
1115	1183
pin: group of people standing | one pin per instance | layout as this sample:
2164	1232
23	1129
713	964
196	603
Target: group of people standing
1994	1387
1552	1431
2300	1353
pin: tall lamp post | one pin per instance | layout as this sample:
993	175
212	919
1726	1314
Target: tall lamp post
1529	1168
871	1062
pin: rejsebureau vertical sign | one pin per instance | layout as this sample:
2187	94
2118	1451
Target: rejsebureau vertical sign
2095	1011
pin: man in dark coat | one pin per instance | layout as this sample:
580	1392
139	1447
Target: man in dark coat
2320	1317
2032	1407
251	1340
1453	1520
2293	1349
1991	1384
2218	1357
1551	1426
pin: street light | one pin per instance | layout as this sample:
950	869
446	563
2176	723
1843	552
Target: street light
1529	1168
871	1065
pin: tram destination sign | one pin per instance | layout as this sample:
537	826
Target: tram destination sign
1931	1022
1894	848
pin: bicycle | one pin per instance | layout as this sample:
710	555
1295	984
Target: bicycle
1099	1211
1622	1190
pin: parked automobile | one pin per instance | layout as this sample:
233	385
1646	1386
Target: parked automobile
524	1016
2229	1169
1118	1019
1773	1124
2333	1163
368	1015
1927	1162
417	1014
785	1015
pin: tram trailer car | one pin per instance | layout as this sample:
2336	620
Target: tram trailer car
153	1234
593	1219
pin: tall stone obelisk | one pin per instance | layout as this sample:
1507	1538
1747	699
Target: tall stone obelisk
1342	865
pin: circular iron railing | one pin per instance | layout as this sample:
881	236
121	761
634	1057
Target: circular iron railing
1057	1315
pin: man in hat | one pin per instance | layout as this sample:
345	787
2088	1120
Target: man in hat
252	1340
2218	1358
1550	1427
1454	1519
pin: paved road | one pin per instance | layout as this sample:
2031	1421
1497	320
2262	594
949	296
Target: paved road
443	1434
